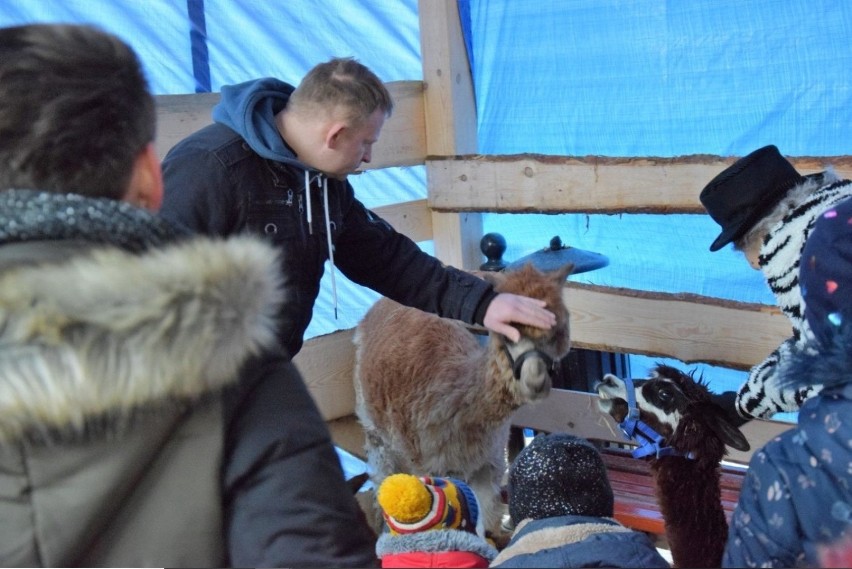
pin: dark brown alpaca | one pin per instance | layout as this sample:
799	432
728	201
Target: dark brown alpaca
679	408
433	400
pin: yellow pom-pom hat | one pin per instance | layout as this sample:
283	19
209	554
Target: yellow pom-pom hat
413	504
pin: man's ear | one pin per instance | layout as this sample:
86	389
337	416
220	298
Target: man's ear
334	134
146	182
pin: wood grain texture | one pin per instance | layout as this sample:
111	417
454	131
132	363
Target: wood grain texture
593	184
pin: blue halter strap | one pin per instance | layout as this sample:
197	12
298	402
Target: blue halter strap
650	442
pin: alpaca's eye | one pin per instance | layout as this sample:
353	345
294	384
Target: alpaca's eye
666	395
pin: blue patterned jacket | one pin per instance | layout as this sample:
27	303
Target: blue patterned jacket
797	495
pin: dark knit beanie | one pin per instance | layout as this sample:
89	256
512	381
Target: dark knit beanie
825	271
558	475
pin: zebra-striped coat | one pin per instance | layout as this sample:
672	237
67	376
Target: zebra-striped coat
760	395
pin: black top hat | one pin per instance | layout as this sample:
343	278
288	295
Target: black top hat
744	192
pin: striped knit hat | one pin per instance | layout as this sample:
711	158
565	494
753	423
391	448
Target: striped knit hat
413	504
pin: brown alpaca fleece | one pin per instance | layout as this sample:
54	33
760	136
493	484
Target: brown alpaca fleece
436	401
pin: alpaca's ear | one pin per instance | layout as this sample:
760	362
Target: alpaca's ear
728	433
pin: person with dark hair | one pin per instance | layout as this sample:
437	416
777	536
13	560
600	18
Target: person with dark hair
795	505
767	209
275	162
562	506
144	406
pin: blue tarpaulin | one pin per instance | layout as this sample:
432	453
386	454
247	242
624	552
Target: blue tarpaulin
582	77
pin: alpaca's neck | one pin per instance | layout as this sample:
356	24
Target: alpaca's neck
690	501
504	391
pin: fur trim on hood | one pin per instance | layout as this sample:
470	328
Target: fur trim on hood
110	332
827	367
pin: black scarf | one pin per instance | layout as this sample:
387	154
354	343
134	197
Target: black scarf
28	215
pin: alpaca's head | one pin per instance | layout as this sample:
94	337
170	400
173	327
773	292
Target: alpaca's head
678	407
534	358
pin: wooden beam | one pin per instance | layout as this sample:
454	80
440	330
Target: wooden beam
593	184
413	218
326	365
450	121
456	238
450	105
577	413
403	140
691	328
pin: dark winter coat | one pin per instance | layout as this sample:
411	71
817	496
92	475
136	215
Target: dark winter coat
578	541
238	175
797	493
142	420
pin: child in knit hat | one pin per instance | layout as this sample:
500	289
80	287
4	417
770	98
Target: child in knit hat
431	522
796	499
561	503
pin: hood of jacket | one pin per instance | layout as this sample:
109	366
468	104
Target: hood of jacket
434	541
828	366
249	109
577	541
782	247
110	332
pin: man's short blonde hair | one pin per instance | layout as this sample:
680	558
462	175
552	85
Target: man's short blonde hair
342	83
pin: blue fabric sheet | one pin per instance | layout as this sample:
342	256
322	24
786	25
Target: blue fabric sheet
586	77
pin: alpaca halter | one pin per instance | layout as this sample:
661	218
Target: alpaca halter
518	364
650	441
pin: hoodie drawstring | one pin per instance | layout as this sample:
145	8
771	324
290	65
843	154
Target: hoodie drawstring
308	198
330	246
327	228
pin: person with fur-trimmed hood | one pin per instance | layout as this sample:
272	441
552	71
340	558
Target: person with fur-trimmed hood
145	420
767	210
562	506
796	499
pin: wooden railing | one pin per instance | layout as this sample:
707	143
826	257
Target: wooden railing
434	124
690	328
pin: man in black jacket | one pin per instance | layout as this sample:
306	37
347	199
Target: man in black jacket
275	162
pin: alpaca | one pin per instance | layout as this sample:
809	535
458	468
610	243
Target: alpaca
695	431
434	400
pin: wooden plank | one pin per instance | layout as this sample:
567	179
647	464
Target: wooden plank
577	413
593	184
413	219
691	328
450	109
573	412
403	140
348	434
457	237
326	364
450	106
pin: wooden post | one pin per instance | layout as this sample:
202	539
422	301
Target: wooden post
450	110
